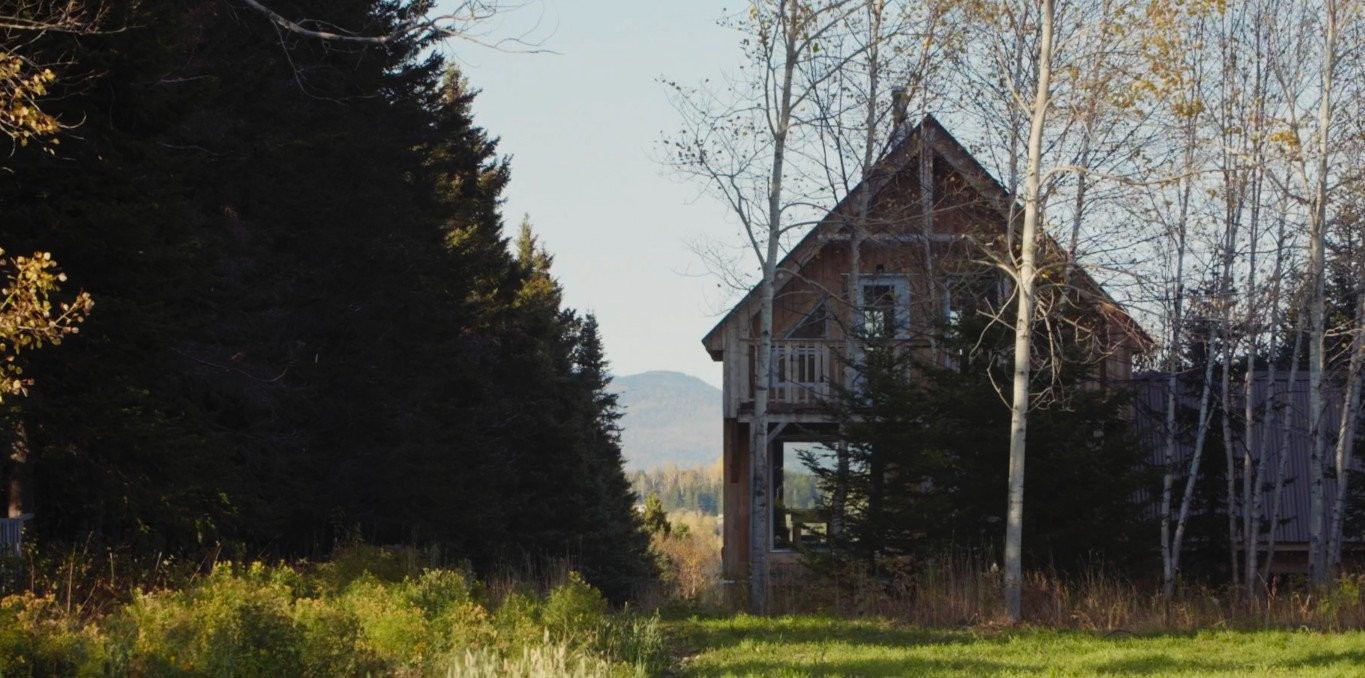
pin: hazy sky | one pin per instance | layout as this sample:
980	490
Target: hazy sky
582	127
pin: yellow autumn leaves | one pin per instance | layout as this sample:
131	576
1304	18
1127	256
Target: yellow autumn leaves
21	119
29	316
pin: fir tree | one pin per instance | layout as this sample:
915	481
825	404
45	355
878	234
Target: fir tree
615	548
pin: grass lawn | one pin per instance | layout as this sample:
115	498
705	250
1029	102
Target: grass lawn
816	646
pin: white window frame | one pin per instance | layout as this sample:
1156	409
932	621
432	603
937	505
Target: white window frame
900	287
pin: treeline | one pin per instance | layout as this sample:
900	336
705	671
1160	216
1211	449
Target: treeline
309	325
699	489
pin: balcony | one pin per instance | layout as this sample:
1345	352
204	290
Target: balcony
804	372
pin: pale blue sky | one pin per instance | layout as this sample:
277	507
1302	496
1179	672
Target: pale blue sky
582	127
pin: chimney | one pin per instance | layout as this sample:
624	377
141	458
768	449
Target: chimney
899	102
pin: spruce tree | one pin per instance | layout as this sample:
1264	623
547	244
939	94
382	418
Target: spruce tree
927	469
615	547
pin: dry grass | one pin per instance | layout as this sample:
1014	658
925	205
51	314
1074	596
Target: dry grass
959	592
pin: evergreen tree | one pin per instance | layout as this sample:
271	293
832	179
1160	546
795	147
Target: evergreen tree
311	326
615	547
927	461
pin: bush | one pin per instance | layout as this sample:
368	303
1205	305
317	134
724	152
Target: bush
572	608
37	638
235	622
338	619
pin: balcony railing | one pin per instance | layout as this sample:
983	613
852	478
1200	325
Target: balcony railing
804	371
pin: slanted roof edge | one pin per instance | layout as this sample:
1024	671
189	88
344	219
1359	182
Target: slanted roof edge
950	149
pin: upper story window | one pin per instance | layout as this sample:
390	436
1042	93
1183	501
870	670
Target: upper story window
884	301
966	295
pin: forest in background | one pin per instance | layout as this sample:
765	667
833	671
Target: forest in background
310	327
699	488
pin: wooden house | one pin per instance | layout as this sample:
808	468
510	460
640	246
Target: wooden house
930	216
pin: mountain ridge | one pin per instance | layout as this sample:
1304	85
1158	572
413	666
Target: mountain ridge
667	418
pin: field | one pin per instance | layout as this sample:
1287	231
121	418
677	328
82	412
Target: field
825	646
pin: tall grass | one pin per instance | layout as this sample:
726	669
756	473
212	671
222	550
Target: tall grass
966	590
963	587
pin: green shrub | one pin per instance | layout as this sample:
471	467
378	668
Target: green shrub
391	626
573	608
277	620
37	638
358	560
517	622
451	605
332	640
235	622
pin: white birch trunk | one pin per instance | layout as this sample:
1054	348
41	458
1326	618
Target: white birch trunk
1187	500
1169	548
761	514
1282	462
1346	435
1317	359
1225	294
1253	445
1023	324
857	235
1253	456
1169	560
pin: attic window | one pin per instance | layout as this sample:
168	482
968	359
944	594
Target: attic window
813	326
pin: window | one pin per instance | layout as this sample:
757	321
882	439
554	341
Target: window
885	305
965	295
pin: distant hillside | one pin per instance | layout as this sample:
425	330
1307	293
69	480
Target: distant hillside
670	418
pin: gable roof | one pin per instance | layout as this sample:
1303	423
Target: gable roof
944	145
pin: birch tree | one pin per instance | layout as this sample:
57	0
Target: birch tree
738	142
1311	178
34	311
1317	262
1023	324
1032	72
1353	239
1180	71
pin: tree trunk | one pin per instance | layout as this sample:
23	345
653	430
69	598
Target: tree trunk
760	514
857	234
1225	378
1346	436
1023	323
1317	359
1187	501
1169	559
20	472
1282	463
1254	491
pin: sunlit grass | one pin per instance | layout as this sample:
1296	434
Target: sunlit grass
815	646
